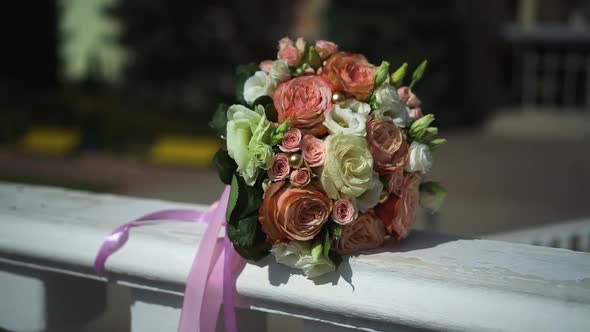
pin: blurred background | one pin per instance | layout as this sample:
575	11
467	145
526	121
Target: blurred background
115	95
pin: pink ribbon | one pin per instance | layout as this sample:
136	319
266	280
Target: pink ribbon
211	280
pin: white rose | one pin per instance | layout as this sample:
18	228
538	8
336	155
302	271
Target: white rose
279	72
315	268
357	106
420	158
290	253
256	86
344	120
297	254
390	106
371	197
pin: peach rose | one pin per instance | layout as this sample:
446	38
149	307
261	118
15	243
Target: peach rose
291	213
265	66
387	144
300	177
366	232
284	43
290	54
325	48
408	97
313	151
291	140
279	167
395	181
351	73
344	212
398	213
304	100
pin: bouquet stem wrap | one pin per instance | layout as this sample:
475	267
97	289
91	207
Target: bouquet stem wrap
211	279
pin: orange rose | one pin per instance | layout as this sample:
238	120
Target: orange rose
387	144
351	73
291	213
398	213
366	232
304	100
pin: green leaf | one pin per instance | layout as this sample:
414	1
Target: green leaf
269	107
278	133
381	73
317	248
397	78
225	165
233	197
335	230
418	73
327	244
313	58
219	119
243	72
242	232
254	253
335	257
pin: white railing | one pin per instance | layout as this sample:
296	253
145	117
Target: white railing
550	67
48	239
573	235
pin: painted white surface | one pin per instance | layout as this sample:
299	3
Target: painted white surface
22	305
428	281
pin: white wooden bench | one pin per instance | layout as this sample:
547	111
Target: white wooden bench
49	238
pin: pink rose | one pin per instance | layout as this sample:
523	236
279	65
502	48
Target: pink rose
300	45
313	151
304	100
344	212
351	73
416	113
325	48
387	144
284	43
408	97
291	213
398	213
291	140
291	55
300	177
395	181
366	232
265	66
279	167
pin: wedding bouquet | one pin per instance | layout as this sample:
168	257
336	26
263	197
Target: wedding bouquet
326	155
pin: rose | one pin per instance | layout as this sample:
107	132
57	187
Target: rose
304	100
351	73
408	97
344	211
344	120
398	213
248	140
291	140
325	48
416	113
395	181
265	66
279	167
366	232
312	150
348	166
300	177
387	144
420	159
371	197
300	44
390	106
256	86
288	52
297	254
285	42
291	213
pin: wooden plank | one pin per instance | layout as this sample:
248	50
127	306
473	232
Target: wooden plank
428	281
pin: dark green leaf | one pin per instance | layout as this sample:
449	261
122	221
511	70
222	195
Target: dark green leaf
335	257
249	200
269	107
233	197
327	243
225	165
313	58
219	120
254	253
243	232
335	230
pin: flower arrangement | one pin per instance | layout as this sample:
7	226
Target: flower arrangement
326	155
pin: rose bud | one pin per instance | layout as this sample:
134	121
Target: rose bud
279	167
291	141
344	211
300	177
